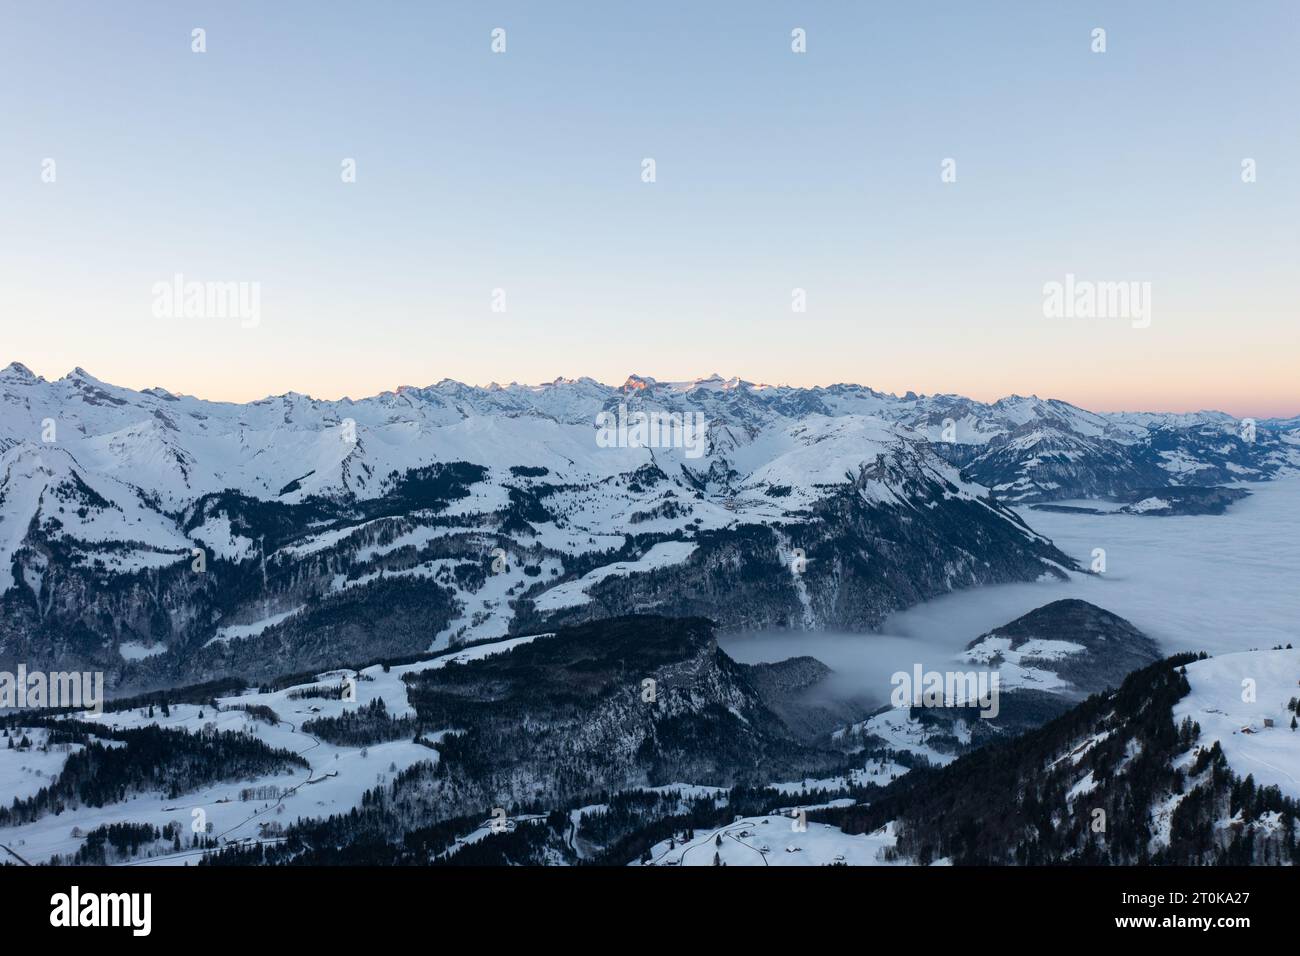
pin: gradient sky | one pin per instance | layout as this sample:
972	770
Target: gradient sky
775	170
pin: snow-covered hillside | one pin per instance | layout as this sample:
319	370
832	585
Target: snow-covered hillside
1045	662
1245	703
775	841
333	782
1191	760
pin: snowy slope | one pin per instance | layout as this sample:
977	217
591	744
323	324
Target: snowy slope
775	841
334	783
1231	697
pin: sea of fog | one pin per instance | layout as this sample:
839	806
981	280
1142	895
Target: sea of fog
1216	583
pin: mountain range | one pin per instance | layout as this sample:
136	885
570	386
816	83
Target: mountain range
164	538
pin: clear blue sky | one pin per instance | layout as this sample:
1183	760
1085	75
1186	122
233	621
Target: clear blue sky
521	171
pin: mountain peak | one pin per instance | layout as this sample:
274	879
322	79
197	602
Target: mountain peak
17	370
79	374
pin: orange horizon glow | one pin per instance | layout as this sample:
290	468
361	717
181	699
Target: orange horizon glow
238	389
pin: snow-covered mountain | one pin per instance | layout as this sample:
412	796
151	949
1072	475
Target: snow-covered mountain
176	538
1047	661
177	448
1191	761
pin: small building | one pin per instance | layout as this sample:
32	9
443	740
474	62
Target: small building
1268	721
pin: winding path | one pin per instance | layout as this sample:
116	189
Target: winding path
712	837
315	742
